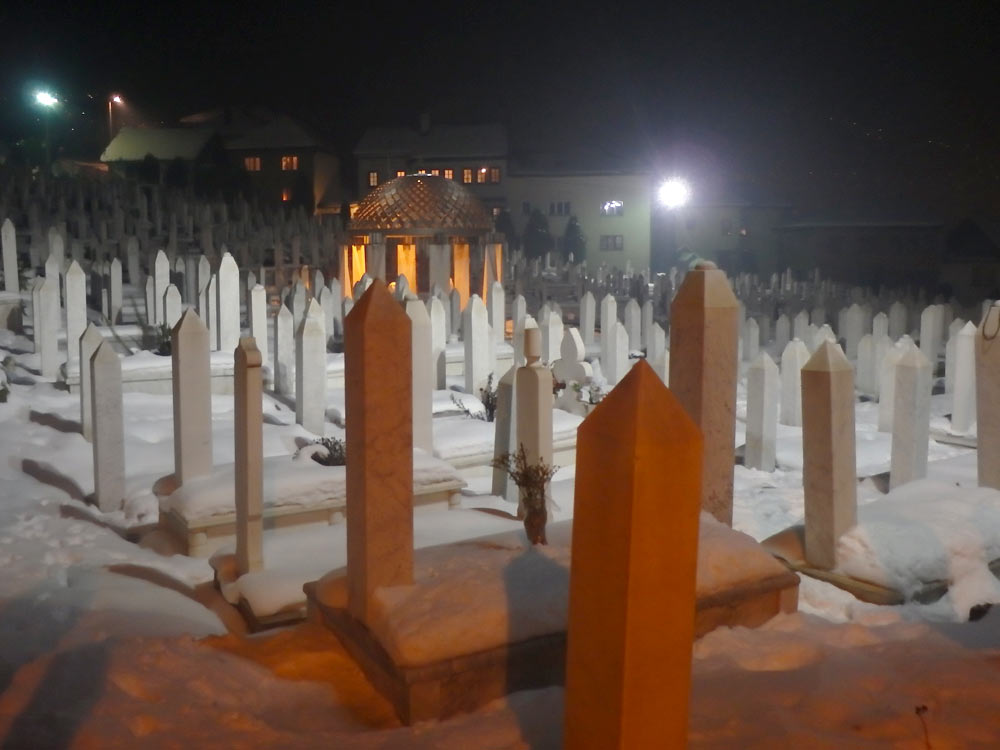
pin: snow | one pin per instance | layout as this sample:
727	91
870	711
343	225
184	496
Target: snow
288	481
104	643
479	594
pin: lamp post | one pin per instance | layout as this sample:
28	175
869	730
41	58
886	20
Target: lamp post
112	100
47	102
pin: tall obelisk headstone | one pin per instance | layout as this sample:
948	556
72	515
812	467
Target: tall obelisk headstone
379	449
988	397
628	655
192	388
249	443
704	367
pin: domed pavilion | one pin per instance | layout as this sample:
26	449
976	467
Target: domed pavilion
427	228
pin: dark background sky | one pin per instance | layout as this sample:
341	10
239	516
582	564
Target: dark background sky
836	106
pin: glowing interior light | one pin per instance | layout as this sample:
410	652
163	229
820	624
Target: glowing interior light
46	99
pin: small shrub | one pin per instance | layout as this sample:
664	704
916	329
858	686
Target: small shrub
334	451
531	479
488	395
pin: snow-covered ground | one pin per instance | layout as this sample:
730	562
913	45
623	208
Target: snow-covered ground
106	644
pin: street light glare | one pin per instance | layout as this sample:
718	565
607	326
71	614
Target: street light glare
674	193
46	99
117	99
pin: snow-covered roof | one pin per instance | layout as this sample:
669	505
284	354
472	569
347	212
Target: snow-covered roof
133	144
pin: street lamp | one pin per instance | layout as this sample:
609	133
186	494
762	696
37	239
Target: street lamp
674	193
113	99
47	102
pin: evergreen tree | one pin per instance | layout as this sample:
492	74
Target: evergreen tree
537	240
574	240
505	223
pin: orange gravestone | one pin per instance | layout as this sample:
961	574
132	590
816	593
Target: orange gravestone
379	448
704	346
632	575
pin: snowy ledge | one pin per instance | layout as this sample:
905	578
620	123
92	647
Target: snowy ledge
484	593
290	482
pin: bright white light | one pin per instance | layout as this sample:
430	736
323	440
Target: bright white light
46	99
674	193
117	99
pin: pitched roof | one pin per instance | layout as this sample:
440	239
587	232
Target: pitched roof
281	132
133	144
440	141
421	205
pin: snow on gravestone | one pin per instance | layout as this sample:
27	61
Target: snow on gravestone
988	398
628	657
212	303
782	332
88	343
910	419
379	452
249	456
326	304
762	412
474	333
609	316
310	370
108	427
800	326
423	370
647	322
192	397
519	314
657	355
570	367
829	475
704	368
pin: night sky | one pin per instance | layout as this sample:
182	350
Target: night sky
838	107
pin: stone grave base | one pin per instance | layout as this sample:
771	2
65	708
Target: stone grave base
469	681
477	465
789	547
202	537
444	688
963	441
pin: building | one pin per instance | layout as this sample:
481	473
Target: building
612	207
475	156
174	156
429	229
970	264
285	162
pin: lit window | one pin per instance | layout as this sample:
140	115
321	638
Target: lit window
494	175
481	176
612	208
743	232
436	172
467	176
612	242
251	163
286	194
496	211
449	174
289	163
373	179
400	172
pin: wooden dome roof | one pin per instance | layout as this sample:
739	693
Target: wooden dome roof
421	204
